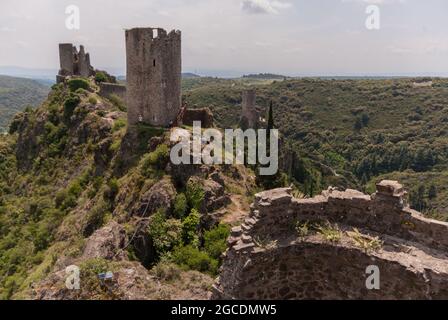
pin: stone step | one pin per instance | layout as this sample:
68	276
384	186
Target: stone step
232	241
236	231
250	221
246	239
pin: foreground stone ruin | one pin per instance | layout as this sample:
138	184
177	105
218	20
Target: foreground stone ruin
268	258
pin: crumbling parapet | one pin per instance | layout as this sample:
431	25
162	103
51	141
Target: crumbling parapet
203	115
109	89
73	63
154	66
253	270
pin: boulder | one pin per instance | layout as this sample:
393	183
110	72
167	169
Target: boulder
160	195
108	243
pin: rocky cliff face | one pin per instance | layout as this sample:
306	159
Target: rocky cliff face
320	248
78	187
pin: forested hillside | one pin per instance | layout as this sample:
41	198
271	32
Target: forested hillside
352	132
16	94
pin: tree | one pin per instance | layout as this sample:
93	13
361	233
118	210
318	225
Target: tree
417	198
358	124
432	192
365	119
270	117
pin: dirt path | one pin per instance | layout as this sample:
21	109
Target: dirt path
237	210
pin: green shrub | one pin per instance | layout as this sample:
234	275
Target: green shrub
75	84
111	190
70	104
93	100
100	77
190	228
68	198
117	102
95	218
158	158
195	195
118	124
165	233
190	257
81	92
215	240
180	205
166	271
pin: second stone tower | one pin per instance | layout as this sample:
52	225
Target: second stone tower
154	67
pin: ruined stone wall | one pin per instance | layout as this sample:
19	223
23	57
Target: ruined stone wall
154	66
108	89
66	59
268	260
204	115
250	115
73	63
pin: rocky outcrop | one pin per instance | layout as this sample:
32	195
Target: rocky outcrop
160	196
214	196
142	243
268	258
107	243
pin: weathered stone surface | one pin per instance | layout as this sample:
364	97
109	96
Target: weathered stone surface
160	196
390	188
73	63
204	115
153	63
109	89
107	243
250	116
214	195
413	257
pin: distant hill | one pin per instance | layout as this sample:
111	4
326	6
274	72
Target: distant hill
189	75
30	73
185	75
269	76
16	94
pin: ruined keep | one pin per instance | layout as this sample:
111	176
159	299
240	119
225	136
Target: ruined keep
250	115
154	66
73	63
268	258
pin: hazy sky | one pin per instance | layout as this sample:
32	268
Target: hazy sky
294	37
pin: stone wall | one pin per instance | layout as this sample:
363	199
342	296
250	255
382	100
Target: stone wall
204	115
108	89
154	65
267	259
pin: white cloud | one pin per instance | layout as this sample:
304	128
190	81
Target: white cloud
263	6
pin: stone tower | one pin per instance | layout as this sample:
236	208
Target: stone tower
154	66
73	63
250	115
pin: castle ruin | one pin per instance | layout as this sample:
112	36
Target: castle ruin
269	257
250	116
154	66
73	63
